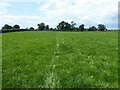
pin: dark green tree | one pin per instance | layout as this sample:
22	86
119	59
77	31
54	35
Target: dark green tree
81	27
31	28
67	26
93	28
47	27
64	26
27	28
72	25
51	28
101	27
6	26
61	25
16	27
41	26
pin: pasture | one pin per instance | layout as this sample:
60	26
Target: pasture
48	59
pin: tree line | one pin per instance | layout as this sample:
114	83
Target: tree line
63	26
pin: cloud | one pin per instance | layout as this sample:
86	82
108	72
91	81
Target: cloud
22	20
23	0
3	11
2	4
88	12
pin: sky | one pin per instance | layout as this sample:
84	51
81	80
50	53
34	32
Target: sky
31	12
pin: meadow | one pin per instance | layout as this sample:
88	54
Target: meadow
48	59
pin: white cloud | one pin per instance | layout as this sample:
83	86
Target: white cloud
23	0
82	11
3	11
2	4
23	21
89	12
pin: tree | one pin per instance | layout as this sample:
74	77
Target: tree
101	27
51	28
31	28
47	27
72	25
16	27
41	26
27	28
61	25
67	26
93	28
81	27
64	26
6	26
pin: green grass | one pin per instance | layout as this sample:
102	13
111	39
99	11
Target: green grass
35	59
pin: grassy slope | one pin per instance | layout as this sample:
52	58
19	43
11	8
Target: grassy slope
60	59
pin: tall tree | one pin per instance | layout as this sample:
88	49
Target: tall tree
93	28
72	25
6	26
31	28
81	27
16	27
47	27
41	26
67	26
101	27
64	26
61	25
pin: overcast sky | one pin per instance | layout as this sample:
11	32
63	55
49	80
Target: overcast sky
31	12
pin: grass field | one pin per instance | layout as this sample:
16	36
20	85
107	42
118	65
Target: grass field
35	59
